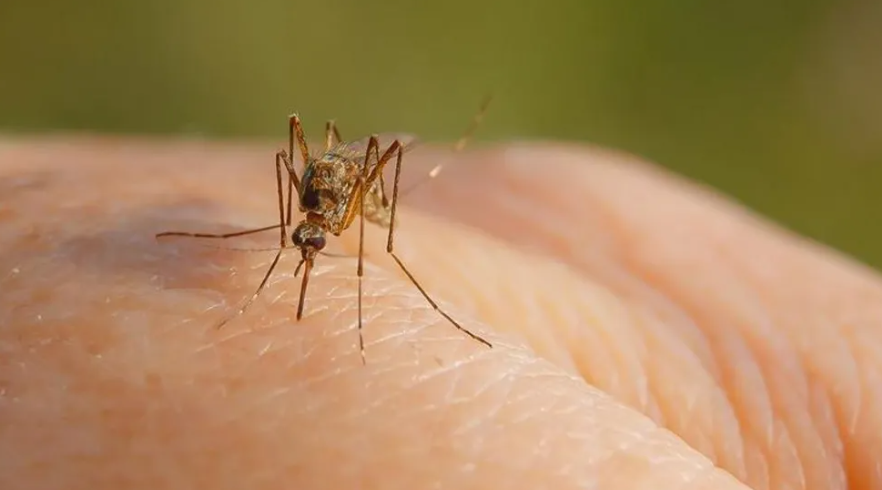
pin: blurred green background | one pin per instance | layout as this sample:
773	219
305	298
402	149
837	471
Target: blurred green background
776	103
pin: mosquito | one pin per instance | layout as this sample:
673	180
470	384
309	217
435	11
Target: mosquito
334	187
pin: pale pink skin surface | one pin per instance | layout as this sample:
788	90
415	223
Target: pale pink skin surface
647	333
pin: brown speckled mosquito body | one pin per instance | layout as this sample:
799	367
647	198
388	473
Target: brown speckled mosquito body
345	181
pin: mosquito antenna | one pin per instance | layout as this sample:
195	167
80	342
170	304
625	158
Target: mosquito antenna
470	131
460	144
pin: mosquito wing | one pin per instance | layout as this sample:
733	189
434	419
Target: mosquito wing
358	148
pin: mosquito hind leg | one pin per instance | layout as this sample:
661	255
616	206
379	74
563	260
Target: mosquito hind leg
391	251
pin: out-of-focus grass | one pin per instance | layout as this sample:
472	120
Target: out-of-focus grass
776	103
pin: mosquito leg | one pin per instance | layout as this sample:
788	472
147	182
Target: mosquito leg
283	220
376	187
377	171
390	249
243	232
257	292
364	188
216	235
332	135
460	144
383	199
295	133
282	242
473	126
291	184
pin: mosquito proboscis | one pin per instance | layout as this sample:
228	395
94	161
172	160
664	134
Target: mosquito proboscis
333	188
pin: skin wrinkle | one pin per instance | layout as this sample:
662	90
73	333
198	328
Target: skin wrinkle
856	393
542	312
514	210
846	352
503	397
863	347
635	266
822	409
493	285
764	437
717	414
502	387
869	471
545	303
632	377
551	306
626	458
446	376
733	466
781	355
626	283
765	340
650	393
754	406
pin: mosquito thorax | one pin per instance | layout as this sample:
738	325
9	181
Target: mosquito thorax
321	183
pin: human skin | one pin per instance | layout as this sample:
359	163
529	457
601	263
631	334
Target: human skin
646	332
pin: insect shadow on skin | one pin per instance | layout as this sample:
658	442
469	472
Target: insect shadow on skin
344	181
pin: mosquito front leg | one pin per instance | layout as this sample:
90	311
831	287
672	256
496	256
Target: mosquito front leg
216	235
293	183
295	132
282	242
280	156
283	221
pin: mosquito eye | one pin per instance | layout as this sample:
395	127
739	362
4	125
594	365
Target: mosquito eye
316	242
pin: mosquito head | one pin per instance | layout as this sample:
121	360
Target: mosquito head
309	238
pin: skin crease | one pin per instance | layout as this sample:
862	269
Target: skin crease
647	333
